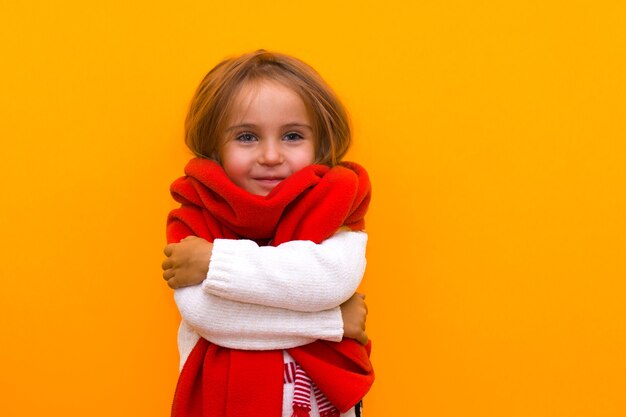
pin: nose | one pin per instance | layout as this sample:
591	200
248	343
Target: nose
271	153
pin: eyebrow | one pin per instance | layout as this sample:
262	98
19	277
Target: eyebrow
252	126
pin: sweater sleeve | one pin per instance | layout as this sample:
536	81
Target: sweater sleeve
251	326
297	275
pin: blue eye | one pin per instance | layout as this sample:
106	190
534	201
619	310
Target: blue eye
246	137
293	136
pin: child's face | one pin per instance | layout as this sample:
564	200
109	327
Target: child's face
269	137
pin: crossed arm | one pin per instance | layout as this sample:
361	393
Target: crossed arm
291	294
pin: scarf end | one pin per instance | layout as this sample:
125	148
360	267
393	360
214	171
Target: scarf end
300	411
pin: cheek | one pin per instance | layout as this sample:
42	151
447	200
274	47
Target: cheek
301	159
234	167
234	164
309	155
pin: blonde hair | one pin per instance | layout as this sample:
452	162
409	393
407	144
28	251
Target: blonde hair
212	103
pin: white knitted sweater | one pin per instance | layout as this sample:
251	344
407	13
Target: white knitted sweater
265	297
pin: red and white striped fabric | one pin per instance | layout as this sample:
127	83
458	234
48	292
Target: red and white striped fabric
290	372
326	408
302	393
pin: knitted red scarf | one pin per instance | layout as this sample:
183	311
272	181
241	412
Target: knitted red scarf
311	204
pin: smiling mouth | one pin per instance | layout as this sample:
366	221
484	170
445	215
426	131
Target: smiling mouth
269	180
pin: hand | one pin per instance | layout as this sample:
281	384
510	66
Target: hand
187	262
354	314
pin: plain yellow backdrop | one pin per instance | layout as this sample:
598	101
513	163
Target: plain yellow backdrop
494	133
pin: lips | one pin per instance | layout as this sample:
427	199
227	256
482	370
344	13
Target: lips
269	180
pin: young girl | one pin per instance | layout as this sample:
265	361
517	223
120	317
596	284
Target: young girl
269	134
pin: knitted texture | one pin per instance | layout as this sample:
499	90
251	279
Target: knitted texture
297	275
309	205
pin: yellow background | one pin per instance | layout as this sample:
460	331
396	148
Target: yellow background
494	135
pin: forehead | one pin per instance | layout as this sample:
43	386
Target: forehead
267	100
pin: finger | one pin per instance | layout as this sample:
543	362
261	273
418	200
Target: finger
168	274
172	283
361	295
167	264
363	339
169	249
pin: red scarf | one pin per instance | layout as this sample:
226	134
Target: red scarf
311	204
